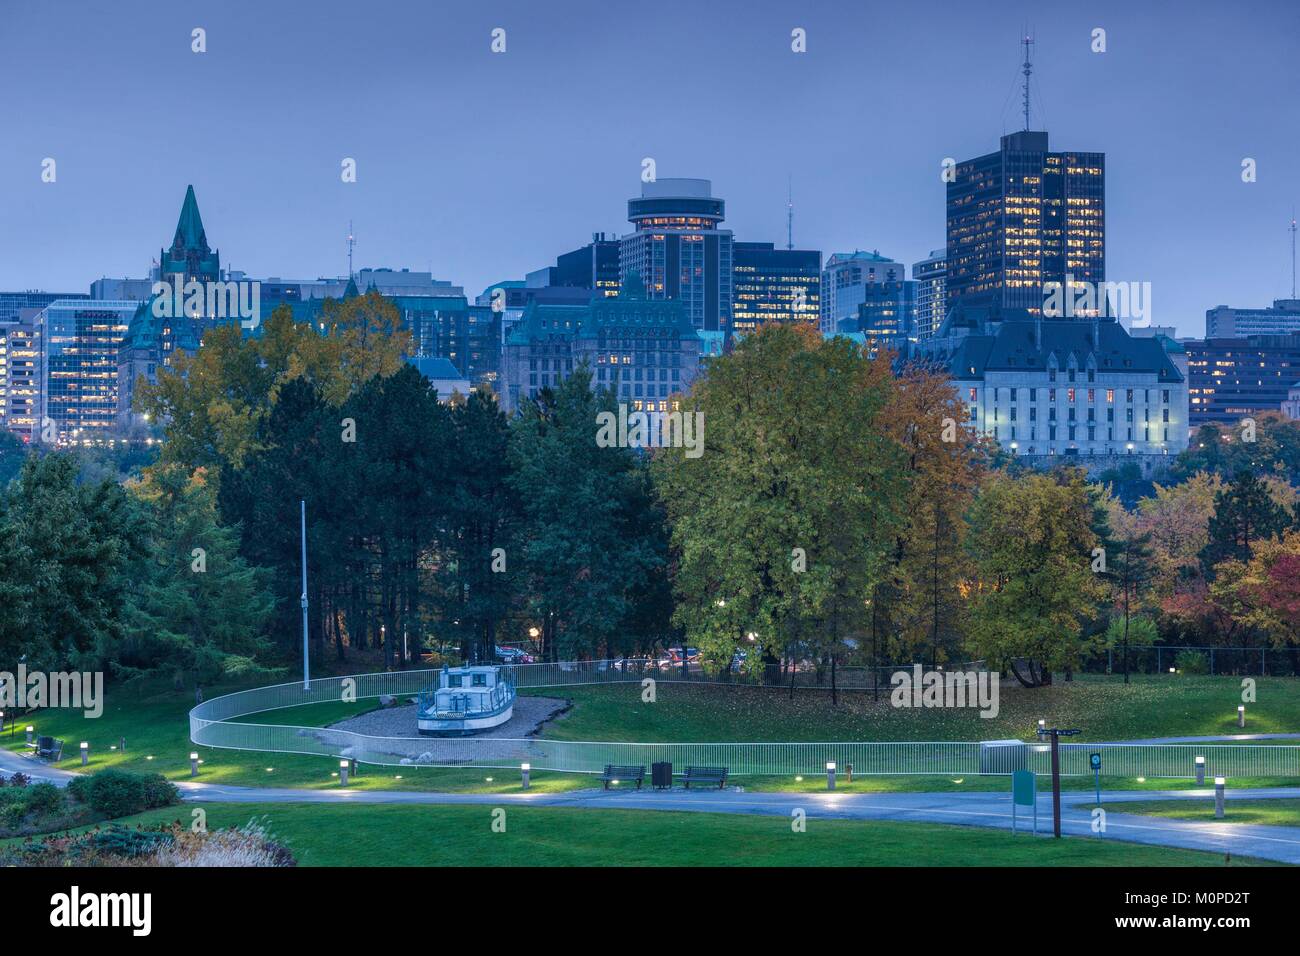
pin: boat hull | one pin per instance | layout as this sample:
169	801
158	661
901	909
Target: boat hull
463	726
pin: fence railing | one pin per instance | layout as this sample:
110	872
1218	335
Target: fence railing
212	724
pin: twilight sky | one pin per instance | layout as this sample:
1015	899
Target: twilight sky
483	166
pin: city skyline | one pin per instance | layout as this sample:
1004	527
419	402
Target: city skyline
491	185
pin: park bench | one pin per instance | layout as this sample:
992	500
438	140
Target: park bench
716	775
49	748
615	772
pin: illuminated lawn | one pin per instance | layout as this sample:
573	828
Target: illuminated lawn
153	718
1281	812
539	836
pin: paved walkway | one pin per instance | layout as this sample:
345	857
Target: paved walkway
965	809
1219	739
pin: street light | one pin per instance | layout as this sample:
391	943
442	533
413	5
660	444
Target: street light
1056	732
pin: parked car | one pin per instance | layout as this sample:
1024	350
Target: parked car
513	655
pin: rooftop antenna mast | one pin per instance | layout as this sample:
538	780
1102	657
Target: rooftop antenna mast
1293	252
352	241
789	213
1027	69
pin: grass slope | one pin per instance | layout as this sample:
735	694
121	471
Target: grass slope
1280	812
537	836
153	718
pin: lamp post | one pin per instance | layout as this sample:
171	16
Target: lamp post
306	673
1056	732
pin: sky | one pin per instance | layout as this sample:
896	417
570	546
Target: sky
482	166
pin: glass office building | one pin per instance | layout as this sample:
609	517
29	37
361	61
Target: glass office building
679	251
79	342
774	285
1022	217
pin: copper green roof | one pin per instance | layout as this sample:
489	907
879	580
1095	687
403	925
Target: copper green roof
189	229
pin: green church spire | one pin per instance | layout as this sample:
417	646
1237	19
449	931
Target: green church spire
189	229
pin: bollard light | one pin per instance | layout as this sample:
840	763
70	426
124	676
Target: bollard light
524	770
1241	715
194	765
343	772
1218	797
1200	771
830	775
85	752
30	729
1042	727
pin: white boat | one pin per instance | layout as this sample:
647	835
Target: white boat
466	700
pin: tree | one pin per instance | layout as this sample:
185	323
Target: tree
66	552
1130	569
197	605
1244	513
586	547
1032	584
477	583
782	526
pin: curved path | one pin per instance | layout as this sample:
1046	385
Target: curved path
1277	843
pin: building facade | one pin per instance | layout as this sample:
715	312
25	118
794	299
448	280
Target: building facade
12	303
1022	217
774	285
1082	391
679	251
1233	378
646	350
20	374
844	280
80	340
930	275
1282	318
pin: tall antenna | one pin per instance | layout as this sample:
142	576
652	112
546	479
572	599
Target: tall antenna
1293	252
1028	68
789	213
352	241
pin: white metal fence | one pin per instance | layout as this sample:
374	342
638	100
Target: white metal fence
212	725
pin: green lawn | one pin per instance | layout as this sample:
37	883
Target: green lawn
1281	812
1102	708
542	836
153	718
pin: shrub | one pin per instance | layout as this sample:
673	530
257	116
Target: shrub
19	779
79	787
44	798
12	815
120	841
159	792
119	793
1191	662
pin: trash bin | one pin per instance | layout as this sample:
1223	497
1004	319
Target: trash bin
661	775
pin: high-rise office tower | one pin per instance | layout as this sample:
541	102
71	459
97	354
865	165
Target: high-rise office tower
930	276
844	282
1024	216
774	285
79	341
593	266
679	251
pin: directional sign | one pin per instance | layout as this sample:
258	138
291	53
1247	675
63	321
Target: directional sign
1024	787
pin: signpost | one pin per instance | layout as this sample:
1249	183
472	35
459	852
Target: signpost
1024	793
1094	761
1056	732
